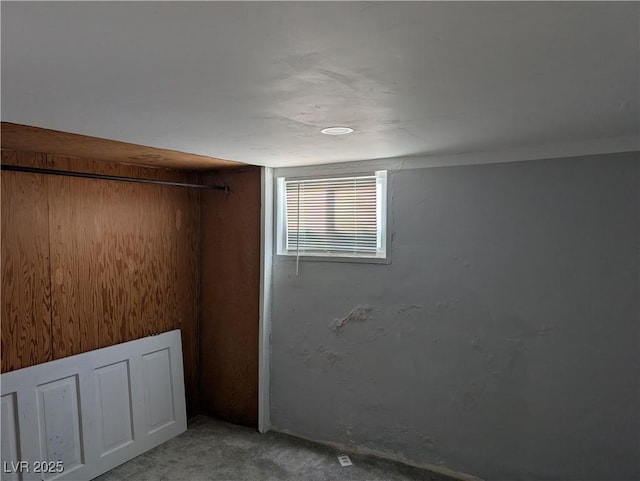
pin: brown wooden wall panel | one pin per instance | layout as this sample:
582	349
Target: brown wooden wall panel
26	300
124	258
62	162
27	138
111	257
187	282
229	298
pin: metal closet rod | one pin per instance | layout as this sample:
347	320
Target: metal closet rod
68	173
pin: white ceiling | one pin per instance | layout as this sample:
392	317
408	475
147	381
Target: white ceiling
255	82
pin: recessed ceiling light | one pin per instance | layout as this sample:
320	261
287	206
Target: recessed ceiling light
337	130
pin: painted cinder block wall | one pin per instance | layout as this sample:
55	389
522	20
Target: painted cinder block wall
503	339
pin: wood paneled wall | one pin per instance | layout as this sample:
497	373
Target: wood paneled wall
26	284
89	263
230	292
28	138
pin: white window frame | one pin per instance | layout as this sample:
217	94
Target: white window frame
382	256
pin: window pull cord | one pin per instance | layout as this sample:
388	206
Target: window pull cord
298	233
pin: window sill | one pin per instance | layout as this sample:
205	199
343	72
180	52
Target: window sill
352	260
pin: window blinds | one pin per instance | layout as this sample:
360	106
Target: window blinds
338	216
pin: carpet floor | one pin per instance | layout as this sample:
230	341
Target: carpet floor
212	450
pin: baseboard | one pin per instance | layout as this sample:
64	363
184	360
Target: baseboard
381	454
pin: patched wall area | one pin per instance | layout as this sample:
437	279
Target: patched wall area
503	339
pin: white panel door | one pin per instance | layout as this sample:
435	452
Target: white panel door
78	417
10	442
115	421
156	369
59	425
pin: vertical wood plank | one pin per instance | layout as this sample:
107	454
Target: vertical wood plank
26	297
230	293
113	249
187	287
77	262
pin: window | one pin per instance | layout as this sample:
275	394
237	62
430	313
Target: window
333	217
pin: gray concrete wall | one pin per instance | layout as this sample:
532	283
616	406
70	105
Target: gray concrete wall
503	340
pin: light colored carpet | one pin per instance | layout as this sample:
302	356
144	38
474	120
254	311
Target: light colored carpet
212	450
